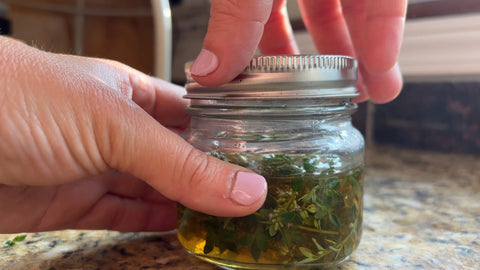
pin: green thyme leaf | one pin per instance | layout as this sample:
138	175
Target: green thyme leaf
19	238
272	230
209	245
297	184
326	172
291	217
244	240
321	212
306	252
319	247
334	220
309	167
255	251
312	208
332	183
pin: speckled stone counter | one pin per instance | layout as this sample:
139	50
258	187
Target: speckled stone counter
422	211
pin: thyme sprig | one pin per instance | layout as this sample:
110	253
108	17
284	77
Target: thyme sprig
18	238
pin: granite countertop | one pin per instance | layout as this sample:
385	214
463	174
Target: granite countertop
422	211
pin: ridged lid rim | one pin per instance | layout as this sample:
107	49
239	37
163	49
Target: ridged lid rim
291	63
285	76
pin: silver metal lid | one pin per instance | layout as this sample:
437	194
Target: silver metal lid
285	77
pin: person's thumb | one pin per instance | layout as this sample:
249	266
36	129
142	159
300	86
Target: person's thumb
139	145
234	32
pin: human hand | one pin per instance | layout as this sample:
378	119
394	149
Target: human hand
92	144
370	30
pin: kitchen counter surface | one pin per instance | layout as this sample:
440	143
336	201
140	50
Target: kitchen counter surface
422	211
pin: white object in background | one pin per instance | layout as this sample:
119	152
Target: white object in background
442	48
434	48
162	20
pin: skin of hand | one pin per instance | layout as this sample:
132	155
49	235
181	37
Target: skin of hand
370	30
93	144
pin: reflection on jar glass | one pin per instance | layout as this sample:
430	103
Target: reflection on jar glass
287	118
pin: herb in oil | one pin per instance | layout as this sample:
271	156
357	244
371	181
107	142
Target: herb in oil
312	214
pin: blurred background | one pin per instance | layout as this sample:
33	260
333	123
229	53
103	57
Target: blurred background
437	110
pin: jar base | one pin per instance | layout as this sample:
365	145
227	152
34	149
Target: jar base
233	265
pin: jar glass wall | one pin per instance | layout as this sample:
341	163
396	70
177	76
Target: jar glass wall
312	159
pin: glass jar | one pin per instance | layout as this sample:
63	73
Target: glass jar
287	118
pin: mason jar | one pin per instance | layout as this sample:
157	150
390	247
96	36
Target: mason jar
287	118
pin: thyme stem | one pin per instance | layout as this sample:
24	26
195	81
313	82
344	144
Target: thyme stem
316	230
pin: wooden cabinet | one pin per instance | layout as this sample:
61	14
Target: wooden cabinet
116	29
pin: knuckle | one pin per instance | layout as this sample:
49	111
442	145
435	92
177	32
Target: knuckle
196	168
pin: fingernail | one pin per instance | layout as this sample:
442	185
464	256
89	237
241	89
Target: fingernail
205	63
248	188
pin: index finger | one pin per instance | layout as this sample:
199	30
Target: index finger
234	32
